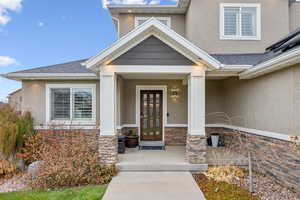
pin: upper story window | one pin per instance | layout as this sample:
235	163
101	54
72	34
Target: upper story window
70	103
164	20
240	21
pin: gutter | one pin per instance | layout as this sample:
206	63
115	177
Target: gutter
50	76
280	62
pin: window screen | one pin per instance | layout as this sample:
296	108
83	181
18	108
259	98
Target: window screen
248	17
82	103
231	19
60	103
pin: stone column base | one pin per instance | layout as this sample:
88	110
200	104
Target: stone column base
108	150
196	149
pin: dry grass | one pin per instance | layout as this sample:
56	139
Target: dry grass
214	190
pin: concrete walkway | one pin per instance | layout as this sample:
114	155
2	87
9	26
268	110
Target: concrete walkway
153	186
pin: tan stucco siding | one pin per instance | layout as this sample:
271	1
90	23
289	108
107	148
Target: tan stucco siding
127	22
34	98
270	103
294	15
214	100
203	29
15	100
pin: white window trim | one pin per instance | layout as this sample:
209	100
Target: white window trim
163	88
91	121
118	26
136	20
258	21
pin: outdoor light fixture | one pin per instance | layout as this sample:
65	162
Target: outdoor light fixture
175	93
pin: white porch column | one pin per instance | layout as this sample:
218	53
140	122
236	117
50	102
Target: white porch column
196	105
107	104
196	140
108	135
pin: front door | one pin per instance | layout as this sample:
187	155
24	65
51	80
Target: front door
151	115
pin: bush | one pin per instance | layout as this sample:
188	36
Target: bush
7	168
15	128
31	150
228	174
70	161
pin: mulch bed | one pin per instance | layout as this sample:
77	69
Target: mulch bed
264	187
214	190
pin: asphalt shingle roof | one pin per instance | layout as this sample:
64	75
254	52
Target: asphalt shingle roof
69	67
239	59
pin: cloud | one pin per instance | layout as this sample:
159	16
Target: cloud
6	61
153	2
40	24
135	2
8	5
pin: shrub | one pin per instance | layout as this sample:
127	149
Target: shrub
15	128
70	161
7	168
228	174
31	150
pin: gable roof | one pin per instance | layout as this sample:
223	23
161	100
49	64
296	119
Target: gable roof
69	70
153	27
284	53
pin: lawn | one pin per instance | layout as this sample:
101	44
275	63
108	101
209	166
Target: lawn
79	193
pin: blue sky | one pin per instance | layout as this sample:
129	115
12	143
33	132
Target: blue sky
37	33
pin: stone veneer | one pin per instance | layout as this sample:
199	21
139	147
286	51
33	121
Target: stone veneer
196	149
175	136
108	150
273	157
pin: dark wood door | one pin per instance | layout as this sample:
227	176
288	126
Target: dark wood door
151	115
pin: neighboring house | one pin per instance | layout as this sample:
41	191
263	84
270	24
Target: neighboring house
175	65
15	99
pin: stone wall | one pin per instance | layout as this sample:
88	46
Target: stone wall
108	150
276	158
175	136
59	134
196	149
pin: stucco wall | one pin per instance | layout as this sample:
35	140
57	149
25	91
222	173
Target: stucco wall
127	22
34	98
270	102
202	26
15	100
294	15
214	100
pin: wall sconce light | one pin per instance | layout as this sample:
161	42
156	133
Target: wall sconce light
175	93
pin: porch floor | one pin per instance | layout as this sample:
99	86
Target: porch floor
173	159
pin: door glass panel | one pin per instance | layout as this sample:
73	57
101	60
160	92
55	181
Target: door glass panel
157	122
151	110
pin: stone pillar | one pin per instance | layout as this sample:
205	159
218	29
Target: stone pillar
196	139
108	150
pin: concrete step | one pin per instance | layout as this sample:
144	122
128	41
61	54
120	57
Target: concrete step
136	167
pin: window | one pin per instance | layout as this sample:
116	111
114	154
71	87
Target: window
240	21
70	103
165	20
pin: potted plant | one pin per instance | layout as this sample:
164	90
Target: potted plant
132	140
215	139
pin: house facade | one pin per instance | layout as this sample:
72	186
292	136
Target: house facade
174	70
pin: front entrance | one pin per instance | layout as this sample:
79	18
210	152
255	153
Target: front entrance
151	120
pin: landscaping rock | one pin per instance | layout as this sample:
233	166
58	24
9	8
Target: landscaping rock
34	167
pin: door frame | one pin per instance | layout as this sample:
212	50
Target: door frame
163	88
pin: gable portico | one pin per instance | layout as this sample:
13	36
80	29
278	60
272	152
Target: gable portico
164	54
